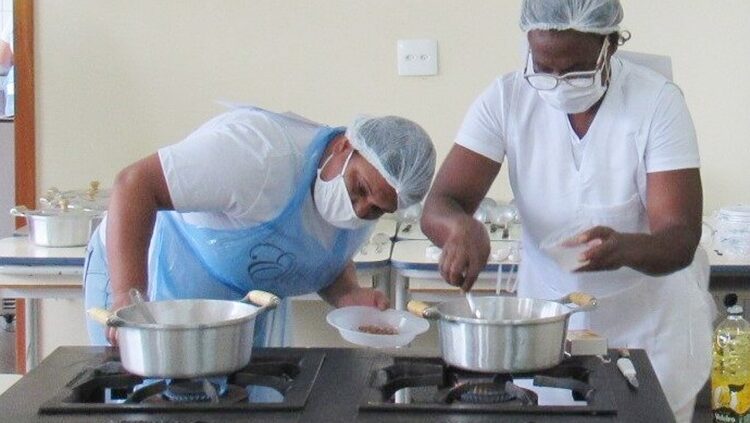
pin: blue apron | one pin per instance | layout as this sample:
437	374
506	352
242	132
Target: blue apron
281	256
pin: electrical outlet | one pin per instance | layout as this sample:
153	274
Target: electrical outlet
417	57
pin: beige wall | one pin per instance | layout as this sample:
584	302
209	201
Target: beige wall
118	79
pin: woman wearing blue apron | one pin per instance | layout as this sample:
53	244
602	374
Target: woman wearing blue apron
255	200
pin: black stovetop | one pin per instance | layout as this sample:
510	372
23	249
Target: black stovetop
348	386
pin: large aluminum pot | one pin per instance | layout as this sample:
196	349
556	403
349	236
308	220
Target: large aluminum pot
511	335
59	227
190	338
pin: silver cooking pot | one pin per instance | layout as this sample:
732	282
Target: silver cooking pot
511	335
190	338
62	227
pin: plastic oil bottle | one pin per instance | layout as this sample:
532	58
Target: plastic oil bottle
730	375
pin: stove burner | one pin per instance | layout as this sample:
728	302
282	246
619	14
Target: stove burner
479	388
485	393
483	388
187	390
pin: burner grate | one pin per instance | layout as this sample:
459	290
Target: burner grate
274	380
427	384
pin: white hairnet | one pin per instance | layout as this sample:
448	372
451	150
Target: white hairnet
596	16
400	150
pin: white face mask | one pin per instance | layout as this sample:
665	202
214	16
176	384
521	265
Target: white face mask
333	202
570	99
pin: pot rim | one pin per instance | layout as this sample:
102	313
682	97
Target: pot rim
442	316
506	322
129	324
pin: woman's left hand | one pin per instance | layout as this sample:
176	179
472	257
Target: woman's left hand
363	297
608	249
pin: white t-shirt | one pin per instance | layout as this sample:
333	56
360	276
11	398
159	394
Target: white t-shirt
672	142
238	170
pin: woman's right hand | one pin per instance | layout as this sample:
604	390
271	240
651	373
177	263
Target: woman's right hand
465	253
116	305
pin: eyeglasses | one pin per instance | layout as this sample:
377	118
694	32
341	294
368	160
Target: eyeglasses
583	79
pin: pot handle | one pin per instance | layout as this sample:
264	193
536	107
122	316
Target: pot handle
422	309
585	302
19	211
105	317
262	298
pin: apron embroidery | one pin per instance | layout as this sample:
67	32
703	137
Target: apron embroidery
269	263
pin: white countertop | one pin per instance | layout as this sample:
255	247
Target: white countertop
413	231
18	250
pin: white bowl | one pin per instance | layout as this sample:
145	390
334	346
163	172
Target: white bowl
348	320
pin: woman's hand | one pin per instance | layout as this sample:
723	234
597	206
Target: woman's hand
465	253
608	249
116	305
345	291
363	297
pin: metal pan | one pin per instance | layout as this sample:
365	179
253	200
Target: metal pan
191	338
512	335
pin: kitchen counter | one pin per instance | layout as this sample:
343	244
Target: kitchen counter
336	396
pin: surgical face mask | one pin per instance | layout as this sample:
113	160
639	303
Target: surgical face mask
333	202
571	99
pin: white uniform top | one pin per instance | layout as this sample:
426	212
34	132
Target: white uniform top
235	171
642	126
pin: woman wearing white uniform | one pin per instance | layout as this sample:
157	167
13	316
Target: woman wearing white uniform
599	144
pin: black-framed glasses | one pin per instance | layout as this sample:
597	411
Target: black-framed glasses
582	79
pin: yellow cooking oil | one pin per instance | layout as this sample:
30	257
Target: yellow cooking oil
730	374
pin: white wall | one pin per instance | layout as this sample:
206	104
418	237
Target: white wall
118	79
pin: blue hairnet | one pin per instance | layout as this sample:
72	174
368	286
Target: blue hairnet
400	150
595	16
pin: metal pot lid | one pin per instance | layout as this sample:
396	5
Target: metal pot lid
94	198
23	211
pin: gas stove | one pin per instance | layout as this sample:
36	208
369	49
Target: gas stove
88	384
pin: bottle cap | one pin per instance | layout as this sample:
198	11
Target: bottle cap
730	299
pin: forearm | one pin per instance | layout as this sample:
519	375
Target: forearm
129	230
344	284
137	195
442	215
675	210
461	183
661	253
